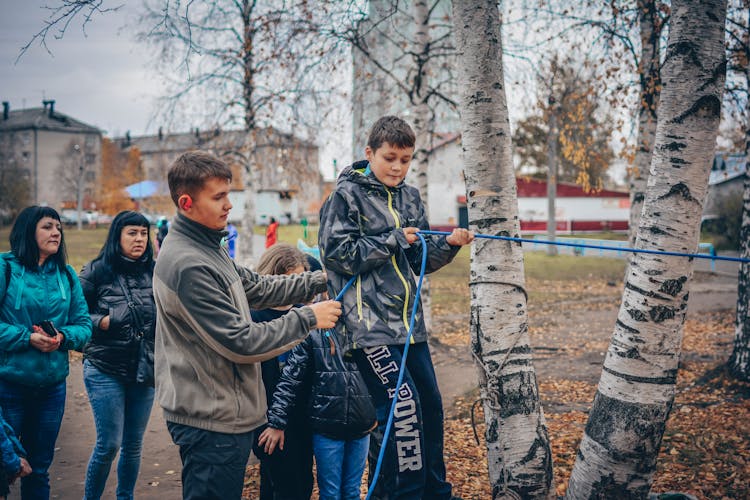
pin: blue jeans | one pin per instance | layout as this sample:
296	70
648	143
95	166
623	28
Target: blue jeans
340	465
413	466
213	463
121	412
35	414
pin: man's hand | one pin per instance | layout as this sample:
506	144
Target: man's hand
269	438
40	341
411	234
326	313
460	237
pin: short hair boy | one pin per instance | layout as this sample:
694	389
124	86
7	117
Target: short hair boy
368	228
208	350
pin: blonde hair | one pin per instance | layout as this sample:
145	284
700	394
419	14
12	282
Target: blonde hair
280	259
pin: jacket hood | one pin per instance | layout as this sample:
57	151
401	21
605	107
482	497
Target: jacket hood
356	173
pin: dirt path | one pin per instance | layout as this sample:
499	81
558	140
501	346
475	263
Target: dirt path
567	338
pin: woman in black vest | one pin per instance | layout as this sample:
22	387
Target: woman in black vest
118	367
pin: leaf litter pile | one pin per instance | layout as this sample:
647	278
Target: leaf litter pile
706	446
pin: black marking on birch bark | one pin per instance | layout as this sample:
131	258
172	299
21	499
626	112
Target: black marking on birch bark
627	328
707	105
719	71
639	197
523	349
653	272
661	313
637	315
673	287
684	48
630	353
670	378
641	291
610	422
488	222
674	146
656	230
492	268
678	162
492	434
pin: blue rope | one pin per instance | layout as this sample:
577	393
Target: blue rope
598	247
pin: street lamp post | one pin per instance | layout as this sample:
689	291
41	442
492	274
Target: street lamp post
79	188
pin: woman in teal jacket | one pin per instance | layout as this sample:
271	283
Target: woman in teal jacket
38	289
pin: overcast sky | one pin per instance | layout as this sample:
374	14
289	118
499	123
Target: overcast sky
101	77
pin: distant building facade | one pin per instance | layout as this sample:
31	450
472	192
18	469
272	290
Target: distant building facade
53	153
287	180
725	184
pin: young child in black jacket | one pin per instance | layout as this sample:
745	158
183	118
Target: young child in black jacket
328	391
286	474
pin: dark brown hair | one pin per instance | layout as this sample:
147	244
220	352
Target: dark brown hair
280	259
189	172
394	131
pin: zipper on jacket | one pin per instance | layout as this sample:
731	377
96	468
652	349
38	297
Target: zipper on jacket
359	297
397	220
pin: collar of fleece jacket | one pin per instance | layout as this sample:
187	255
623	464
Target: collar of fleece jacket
198	232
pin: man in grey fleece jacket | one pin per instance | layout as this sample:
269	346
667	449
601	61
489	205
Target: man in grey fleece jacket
208	349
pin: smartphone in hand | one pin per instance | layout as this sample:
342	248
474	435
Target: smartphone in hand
49	328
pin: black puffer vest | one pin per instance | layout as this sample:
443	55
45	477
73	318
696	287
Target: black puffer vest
117	351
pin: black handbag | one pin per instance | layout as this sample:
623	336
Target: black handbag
144	373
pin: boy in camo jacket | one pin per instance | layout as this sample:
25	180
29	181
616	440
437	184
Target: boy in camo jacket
368	228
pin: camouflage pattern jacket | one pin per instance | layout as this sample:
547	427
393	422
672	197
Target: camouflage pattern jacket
361	234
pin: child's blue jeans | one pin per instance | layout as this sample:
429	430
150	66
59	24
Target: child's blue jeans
121	411
340	465
35	414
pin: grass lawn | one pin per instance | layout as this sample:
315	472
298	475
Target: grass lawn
293	232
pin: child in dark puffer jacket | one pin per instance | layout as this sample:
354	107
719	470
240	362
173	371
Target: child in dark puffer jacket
12	462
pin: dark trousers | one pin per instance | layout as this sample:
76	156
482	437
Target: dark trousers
213	463
35	414
287	474
413	466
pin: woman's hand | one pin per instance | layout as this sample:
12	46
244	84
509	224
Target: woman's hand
411	234
42	342
23	471
269	438
104	323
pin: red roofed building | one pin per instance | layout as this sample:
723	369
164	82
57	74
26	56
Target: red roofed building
577	210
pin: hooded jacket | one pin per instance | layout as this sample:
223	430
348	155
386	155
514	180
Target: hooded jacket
361	233
32	296
208	350
116	351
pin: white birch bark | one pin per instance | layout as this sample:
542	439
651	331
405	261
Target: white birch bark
617	455
552	138
422	126
518	450
739	360
648	72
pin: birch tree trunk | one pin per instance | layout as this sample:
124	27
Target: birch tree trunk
422	126
739	360
617	455
518	450
246	254
648	73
